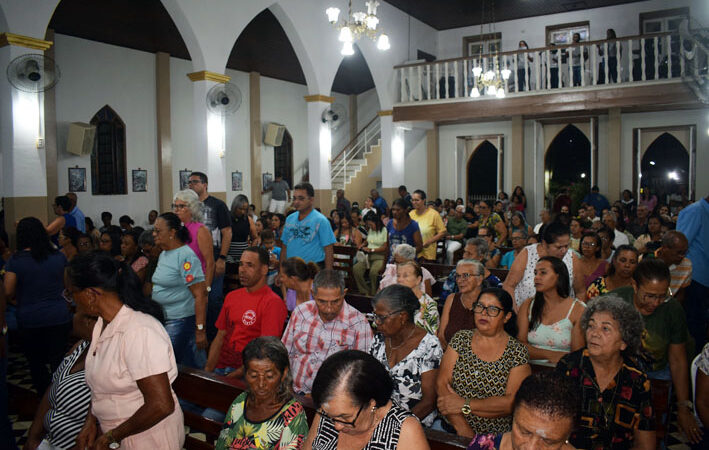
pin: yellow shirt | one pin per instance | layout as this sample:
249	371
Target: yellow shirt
430	224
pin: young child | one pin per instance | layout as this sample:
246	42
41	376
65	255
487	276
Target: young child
268	242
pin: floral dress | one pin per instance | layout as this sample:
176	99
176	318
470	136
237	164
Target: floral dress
406	374
286	429
427	316
596	288
490	441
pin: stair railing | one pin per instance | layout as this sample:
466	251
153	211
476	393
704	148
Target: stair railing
355	149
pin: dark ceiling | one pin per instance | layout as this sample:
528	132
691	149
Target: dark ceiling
263	45
446	14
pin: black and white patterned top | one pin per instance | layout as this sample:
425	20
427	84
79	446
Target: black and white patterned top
69	401
384	437
406	374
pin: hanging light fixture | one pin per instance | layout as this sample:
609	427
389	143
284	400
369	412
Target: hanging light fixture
356	25
489	80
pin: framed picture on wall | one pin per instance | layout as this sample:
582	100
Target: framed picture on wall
563	33
267	178
77	179
140	180
184	179
236	181
481	43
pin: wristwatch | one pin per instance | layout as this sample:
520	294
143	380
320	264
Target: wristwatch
113	444
465	409
209	288
200	326
222	257
687	403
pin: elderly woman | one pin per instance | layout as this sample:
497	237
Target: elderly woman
243	228
519	241
590	265
549	323
620	272
188	208
402	229
130	364
132	255
178	285
544	414
410	355
34	277
616	406
401	254
352	393
62	411
266	415
297	279
477	249
482	369
409	274
456	313
376	248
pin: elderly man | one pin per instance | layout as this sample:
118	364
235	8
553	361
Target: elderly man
638	225
545	217
456	227
610	219
519	241
321	327
673	251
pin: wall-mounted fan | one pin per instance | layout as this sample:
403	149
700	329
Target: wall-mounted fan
33	73
223	99
334	116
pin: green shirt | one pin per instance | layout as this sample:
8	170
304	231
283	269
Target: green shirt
667	325
456	226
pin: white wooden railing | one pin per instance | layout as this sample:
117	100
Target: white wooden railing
356	148
626	61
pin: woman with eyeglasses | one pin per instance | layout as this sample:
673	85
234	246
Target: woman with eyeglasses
620	272
549	322
457	311
482	369
188	208
410	275
34	277
408	352
590	265
352	393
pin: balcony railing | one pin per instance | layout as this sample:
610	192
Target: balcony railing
621	62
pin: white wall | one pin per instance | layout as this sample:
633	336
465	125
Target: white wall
624	19
367	107
94	75
415	172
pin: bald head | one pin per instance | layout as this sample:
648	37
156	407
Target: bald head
72	199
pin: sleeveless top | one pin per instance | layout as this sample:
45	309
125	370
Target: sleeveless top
459	318
525	288
69	401
240	231
193	228
555	337
384	437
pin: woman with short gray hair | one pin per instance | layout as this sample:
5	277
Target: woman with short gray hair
401	254
408	352
458	309
616	406
186	205
243	228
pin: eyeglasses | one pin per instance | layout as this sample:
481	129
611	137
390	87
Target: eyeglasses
340	421
194	182
178	206
380	319
588	244
657	297
464	276
492	311
66	295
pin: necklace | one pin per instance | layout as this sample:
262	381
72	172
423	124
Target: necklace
403	340
605	422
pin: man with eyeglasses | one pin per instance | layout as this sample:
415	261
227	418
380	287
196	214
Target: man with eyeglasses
666	336
307	233
218	222
321	327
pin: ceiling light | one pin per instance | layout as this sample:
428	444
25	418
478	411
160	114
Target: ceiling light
652	163
332	14
383	42
475	92
347	49
356	25
345	35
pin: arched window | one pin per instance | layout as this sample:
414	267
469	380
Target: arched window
567	164
283	159
483	172
108	160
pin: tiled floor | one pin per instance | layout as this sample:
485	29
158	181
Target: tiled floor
18	376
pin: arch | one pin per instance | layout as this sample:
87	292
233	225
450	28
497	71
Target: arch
108	158
483	171
567	163
665	168
283	158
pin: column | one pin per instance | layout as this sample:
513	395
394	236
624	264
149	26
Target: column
24	185
209	135
319	151
164	131
517	152
256	139
613	147
393	153
432	159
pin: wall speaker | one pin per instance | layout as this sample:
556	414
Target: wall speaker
81	138
274	134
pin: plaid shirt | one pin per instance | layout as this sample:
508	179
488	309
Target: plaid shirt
309	340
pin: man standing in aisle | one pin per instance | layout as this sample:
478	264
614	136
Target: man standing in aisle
280	194
76	213
218	222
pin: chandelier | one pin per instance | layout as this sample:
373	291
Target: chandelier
356	25
490	79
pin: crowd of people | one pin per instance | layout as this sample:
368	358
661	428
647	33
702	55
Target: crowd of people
545	335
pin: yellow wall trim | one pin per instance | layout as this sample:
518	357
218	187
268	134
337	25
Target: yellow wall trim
319	98
386	112
24	41
206	75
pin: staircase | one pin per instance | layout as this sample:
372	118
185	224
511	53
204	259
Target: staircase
349	162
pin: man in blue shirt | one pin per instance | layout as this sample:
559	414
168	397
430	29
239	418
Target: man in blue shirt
379	202
76	213
693	222
598	201
307	233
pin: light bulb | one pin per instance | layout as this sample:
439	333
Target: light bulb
477	70
372	7
371	22
500	93
475	92
383	42
359	16
345	35
347	49
489	75
491	90
506	74
332	14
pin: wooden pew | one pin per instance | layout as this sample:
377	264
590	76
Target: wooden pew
344	261
213	391
362	303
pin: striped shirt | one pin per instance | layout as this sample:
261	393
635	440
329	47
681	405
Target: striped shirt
309	340
680	274
69	400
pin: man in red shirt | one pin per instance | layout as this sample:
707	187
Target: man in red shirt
252	311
